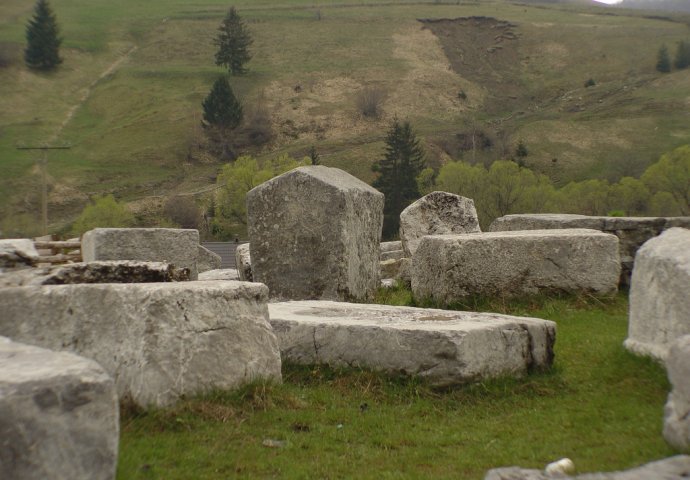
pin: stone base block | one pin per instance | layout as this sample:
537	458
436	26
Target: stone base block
449	268
58	416
179	247
445	347
158	340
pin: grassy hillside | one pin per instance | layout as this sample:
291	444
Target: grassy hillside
127	98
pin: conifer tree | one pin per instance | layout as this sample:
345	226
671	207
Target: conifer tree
43	42
233	43
398	171
222	114
663	61
682	59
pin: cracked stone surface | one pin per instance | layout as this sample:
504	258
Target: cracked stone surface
124	271
436	213
58	416
315	234
631	231
445	347
672	468
660	294
158	340
17	252
449	268
677	410
179	247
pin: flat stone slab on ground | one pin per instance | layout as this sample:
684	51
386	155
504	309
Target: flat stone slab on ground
445	347
158	340
672	468
449	268
660	294
179	247
58	416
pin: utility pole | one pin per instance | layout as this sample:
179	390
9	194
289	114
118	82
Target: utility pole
44	180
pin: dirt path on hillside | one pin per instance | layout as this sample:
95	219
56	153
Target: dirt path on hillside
89	89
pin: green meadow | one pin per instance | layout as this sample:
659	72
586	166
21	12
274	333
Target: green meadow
599	406
127	98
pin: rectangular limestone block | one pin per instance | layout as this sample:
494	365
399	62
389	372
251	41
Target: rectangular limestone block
445	347
660	294
158	340
179	247
58	416
449	268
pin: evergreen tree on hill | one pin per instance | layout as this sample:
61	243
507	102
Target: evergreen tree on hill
43	43
233	43
398	171
663	61
682	59
222	114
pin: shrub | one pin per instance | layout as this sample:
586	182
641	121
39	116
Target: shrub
370	100
183	211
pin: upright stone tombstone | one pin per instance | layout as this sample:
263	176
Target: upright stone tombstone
314	234
437	213
660	294
58	416
243	263
179	247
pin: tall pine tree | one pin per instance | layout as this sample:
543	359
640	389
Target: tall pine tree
398	171
223	113
663	61
682	59
43	42
233	43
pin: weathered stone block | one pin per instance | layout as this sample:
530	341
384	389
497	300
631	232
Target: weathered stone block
445	347
660	294
390	268
677	410
390	246
437	213
220	274
121	271
672	468
243	262
207	260
631	231
392	255
17	252
158	340
170	245
449	268
315	234
58	416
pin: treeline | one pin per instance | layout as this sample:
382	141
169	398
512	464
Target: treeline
505	188
681	60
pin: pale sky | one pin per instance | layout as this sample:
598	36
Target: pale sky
610	2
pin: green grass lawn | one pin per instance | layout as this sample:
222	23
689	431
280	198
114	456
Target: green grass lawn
599	406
